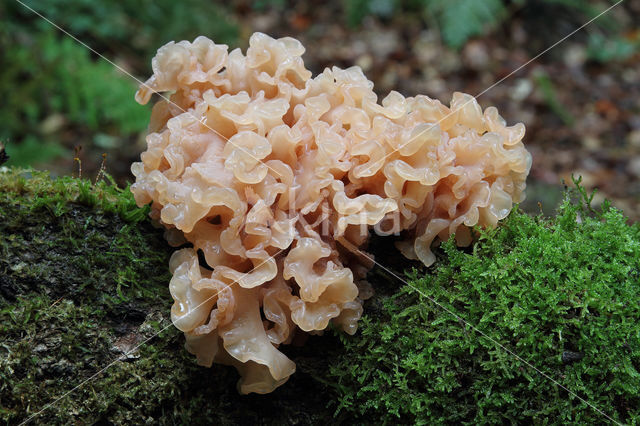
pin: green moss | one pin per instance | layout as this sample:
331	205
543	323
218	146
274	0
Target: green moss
83	280
563	294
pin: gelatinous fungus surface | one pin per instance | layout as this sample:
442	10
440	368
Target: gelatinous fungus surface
276	176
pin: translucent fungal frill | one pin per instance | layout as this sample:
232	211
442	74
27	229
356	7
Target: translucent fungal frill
273	175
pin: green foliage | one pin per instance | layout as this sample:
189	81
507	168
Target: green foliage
460	20
563	294
603	49
357	10
549	94
53	88
32	150
261	5
61	73
138	27
65	84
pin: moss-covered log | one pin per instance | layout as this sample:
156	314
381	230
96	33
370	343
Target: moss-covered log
83	282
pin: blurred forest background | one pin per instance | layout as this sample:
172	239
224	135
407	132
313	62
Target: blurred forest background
580	102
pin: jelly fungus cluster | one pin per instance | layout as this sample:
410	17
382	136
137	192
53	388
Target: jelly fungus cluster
273	177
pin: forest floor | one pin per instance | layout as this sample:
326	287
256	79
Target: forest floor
582	116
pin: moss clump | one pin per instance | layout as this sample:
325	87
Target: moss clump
83	280
562	293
